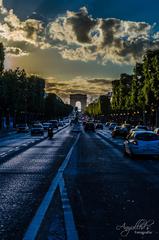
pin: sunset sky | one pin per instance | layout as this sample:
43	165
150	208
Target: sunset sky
78	46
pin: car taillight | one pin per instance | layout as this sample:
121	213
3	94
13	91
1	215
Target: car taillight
135	142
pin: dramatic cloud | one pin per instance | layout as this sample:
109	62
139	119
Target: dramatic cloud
78	36
29	34
91	87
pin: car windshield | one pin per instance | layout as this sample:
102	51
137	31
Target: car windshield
147	137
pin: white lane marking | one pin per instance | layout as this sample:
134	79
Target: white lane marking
11	150
71	231
34	227
2	153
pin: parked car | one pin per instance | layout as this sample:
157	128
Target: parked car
46	125
142	143
107	124
22	128
54	123
99	126
37	129
89	126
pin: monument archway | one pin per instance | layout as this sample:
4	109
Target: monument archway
82	98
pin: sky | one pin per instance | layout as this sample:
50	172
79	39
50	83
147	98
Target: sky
78	46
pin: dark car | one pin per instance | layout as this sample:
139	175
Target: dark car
46	125
89	126
141	127
54	123
99	126
112	126
37	129
117	132
22	128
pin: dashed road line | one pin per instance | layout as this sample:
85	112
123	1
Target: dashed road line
34	227
71	231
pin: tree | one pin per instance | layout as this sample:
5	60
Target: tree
55	107
2	57
116	95
137	100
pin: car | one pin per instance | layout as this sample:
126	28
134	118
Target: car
107	124
136	130
142	143
89	126
54	123
99	126
112	126
127	126
46	125
22	128
37	129
117	131
156	131
61	123
141	127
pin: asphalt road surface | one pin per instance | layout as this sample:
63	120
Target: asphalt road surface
103	195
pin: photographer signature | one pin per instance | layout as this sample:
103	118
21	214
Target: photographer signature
142	226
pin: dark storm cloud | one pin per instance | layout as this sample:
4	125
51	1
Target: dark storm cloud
109	28
82	24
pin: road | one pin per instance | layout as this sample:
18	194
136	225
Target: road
101	193
13	141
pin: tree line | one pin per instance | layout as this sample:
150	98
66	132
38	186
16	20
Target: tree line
100	106
23	96
139	93
134	96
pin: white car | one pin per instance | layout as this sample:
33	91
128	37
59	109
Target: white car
37	129
142	143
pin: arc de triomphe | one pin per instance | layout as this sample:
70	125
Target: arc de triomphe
82	98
